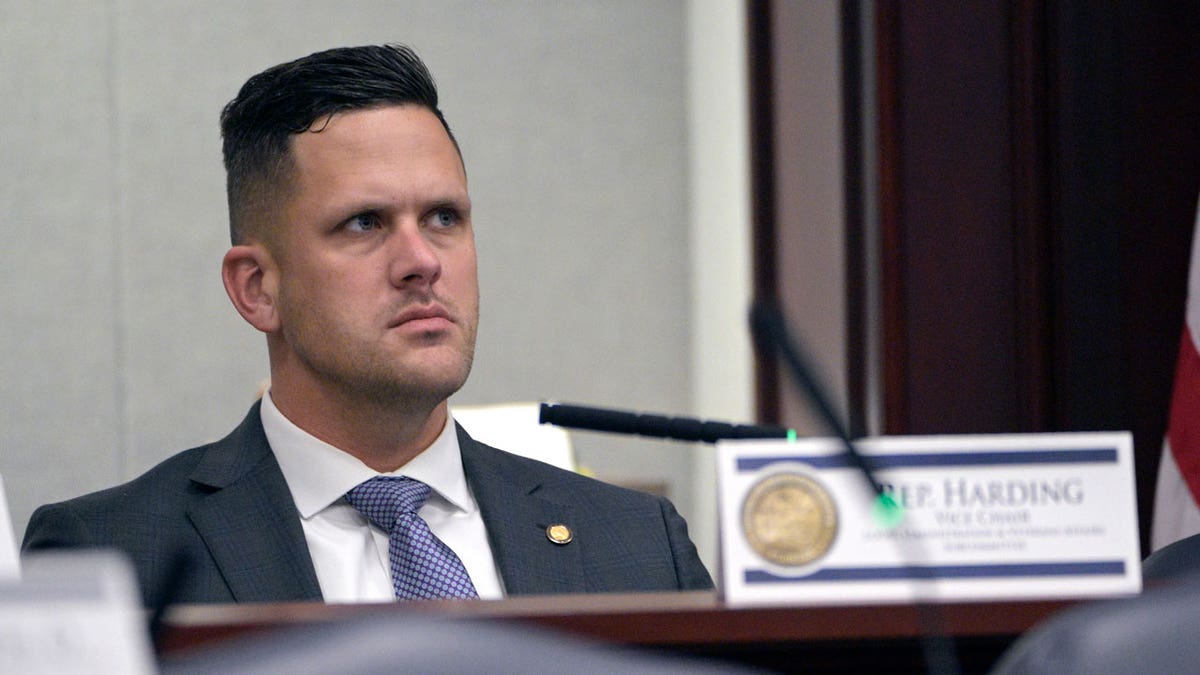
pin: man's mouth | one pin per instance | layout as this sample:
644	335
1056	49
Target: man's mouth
423	317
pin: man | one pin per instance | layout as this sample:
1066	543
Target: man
353	252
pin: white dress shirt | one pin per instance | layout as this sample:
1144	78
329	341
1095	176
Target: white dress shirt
350	554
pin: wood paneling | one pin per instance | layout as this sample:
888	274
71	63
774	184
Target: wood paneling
1038	169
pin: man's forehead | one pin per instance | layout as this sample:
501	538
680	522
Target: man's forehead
373	160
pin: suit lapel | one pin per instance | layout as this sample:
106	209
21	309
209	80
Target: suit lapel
516	520
249	522
251	528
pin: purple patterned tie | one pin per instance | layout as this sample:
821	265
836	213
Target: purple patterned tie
422	565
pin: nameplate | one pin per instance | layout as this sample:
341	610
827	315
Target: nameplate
1023	516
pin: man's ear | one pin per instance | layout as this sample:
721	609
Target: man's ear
251	280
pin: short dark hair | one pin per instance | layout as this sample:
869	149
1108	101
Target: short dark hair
274	105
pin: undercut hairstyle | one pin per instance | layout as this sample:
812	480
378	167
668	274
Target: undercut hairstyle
258	125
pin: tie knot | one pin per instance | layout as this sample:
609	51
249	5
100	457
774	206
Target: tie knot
386	499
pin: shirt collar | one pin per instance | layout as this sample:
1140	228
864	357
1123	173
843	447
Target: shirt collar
319	474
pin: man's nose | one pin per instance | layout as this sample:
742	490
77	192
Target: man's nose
413	259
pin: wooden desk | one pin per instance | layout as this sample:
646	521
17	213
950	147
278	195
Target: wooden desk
785	639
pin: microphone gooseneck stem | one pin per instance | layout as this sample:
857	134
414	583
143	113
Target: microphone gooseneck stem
769	328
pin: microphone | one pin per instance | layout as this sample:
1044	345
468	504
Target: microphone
770	330
655	426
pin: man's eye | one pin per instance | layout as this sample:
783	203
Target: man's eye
363	222
445	218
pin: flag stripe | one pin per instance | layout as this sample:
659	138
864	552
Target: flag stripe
1183	431
1177	493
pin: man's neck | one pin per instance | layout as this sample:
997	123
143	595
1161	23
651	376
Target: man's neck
384	435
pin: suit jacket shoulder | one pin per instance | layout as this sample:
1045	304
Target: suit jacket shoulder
211	524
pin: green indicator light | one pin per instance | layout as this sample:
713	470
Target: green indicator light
791	436
886	511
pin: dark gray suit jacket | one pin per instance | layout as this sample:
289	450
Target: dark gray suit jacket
217	524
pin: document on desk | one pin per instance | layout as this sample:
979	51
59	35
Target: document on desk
74	612
9	558
982	517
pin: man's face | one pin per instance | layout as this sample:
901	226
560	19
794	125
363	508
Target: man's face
378	293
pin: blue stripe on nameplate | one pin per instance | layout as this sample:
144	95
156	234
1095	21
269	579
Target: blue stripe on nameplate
1101	568
934	459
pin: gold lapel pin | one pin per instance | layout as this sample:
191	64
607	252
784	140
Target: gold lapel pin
559	534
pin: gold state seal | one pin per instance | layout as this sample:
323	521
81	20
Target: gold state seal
789	519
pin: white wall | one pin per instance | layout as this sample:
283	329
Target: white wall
719	195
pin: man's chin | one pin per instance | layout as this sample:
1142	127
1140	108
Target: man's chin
420	384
